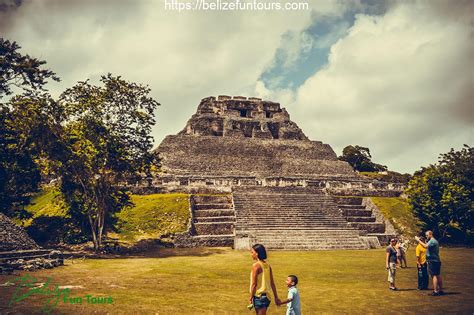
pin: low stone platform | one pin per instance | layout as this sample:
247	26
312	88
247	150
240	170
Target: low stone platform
30	260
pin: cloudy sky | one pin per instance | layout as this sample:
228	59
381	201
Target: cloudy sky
394	76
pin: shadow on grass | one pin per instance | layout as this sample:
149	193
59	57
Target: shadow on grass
163	252
451	293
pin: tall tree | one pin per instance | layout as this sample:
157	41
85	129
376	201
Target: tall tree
21	71
442	195
107	135
28	141
24	123
360	159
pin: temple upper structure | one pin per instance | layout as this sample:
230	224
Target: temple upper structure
240	116
247	137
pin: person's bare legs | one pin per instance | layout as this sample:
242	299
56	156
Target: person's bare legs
440	283
405	260
435	284
262	311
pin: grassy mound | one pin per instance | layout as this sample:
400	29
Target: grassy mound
399	212
153	216
48	203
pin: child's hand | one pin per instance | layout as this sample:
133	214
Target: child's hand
278	302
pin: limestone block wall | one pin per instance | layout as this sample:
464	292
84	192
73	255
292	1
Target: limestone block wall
224	156
223	115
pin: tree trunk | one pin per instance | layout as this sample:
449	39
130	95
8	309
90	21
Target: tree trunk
94	235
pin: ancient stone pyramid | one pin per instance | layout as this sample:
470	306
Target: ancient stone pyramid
247	137
282	189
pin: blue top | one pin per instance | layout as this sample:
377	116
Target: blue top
293	307
432	251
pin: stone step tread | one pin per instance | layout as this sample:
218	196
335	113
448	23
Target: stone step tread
347	206
213	209
214	236
215	217
212	223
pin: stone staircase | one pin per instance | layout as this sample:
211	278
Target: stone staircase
364	215
358	216
213	220
293	218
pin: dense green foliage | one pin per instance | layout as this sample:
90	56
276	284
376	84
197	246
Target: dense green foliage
442	196
24	126
106	136
92	138
360	159
21	71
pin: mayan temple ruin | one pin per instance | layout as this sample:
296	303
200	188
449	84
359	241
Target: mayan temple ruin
254	176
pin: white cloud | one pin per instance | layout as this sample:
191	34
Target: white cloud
400	84
182	56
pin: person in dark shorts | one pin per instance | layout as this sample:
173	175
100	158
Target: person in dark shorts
391	263
261	281
434	262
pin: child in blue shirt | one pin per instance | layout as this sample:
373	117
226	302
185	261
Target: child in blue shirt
293	304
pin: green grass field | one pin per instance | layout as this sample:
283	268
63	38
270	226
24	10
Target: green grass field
215	281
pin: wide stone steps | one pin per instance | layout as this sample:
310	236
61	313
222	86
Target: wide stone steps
361	219
349	200
351	206
309	239
287	220
213	216
207	206
213	199
370	227
214	228
215	219
214	213
357	213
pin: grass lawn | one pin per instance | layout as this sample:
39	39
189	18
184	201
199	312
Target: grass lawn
215	281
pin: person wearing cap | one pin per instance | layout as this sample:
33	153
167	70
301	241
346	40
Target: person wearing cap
391	263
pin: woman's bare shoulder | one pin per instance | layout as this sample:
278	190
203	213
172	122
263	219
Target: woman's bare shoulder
257	266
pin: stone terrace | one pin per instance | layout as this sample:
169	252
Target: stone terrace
227	156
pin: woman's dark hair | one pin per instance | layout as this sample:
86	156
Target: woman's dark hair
260	250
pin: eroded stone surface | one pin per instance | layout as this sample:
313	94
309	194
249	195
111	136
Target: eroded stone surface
14	237
241	136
